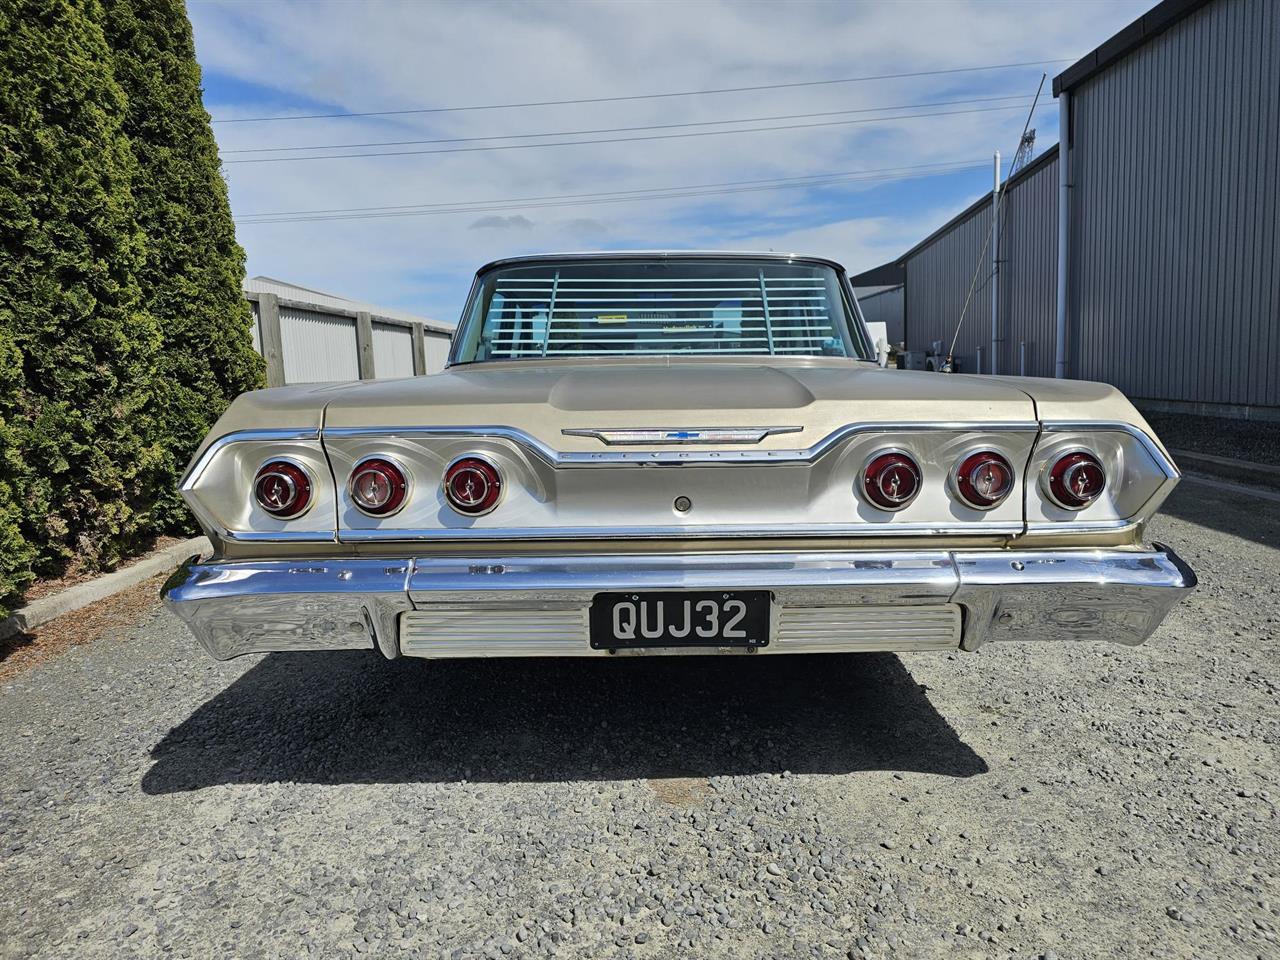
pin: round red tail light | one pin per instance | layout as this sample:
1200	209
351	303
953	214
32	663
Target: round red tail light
890	480
1075	480
378	487
472	485
983	480
283	489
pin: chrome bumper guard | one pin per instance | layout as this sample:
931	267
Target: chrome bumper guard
537	606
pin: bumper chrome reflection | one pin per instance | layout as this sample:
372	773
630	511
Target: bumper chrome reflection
536	606
275	606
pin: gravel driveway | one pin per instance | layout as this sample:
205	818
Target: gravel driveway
1088	801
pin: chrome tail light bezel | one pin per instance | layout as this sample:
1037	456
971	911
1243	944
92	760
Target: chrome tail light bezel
960	479
888	504
1049	478
395	504
494	480
299	479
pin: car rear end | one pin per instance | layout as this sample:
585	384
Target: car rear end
879	538
728	491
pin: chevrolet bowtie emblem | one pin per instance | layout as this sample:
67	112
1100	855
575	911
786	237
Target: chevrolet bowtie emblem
639	435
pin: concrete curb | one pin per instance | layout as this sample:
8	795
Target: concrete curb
1247	471
27	618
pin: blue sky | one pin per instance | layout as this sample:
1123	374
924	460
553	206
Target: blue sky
330	56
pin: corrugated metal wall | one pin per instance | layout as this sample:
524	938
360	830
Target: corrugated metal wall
322	301
1175	274
938	280
392	350
436	347
940	273
320	338
317	346
1174	291
257	335
1029	272
885	307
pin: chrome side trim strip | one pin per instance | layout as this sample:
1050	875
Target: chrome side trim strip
207	521
643	435
280	536
1167	467
1117	426
240	436
679	457
1081	526
867	529
922	574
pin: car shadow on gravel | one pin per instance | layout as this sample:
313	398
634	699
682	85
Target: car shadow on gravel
353	717
1226	511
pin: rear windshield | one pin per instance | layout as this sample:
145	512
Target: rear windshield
639	307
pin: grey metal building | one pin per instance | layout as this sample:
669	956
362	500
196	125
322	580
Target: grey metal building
883	305
1170	181
309	336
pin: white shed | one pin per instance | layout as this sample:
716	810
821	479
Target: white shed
309	336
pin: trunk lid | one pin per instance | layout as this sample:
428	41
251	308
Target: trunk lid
544	398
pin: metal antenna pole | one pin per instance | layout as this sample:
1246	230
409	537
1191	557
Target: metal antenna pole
949	364
995	267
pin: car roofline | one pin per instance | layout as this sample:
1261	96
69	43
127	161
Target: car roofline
605	255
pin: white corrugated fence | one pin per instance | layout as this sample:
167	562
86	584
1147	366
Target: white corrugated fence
307	336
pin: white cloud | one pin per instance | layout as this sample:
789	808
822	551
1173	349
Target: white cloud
495	222
388	56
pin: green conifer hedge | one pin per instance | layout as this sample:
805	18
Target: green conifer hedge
192	270
123	333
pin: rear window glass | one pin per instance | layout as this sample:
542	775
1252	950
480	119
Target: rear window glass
637	307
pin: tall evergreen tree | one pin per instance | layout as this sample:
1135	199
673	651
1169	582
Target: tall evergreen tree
193	268
16	552
77	347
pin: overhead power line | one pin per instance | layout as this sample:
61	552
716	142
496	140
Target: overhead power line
1020	98
644	96
621	196
647	137
807	178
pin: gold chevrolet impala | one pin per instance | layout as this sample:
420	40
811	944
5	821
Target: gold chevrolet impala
644	453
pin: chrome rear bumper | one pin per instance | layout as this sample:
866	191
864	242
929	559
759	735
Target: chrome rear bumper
537	606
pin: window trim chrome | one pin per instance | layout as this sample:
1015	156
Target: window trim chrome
854	332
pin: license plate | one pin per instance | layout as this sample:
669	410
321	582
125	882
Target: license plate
677	618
